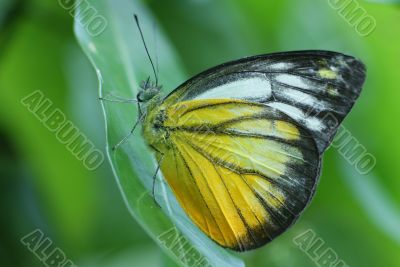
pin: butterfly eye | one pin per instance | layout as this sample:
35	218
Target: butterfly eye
139	96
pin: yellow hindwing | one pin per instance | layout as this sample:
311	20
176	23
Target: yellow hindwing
242	171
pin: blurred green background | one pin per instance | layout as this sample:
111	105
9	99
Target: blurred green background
44	186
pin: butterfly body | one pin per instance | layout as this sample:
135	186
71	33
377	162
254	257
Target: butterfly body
241	143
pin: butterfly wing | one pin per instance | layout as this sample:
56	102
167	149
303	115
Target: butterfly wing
315	88
244	140
242	171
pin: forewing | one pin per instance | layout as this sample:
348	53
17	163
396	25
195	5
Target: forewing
242	171
315	88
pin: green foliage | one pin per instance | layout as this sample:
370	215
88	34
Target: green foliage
44	186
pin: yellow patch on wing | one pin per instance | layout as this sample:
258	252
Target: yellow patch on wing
288	130
210	203
327	74
200	112
332	90
265	156
265	127
267	190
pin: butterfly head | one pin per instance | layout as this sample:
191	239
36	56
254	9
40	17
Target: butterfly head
148	90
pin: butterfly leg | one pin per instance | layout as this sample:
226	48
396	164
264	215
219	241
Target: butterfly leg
139	109
130	133
117	99
155	177
139	119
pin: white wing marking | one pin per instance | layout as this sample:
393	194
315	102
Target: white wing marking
298	115
280	66
292	80
248	88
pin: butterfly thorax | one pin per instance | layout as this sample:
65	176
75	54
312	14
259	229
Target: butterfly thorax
154	130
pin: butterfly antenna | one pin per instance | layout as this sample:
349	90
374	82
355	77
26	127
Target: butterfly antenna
145	47
156	47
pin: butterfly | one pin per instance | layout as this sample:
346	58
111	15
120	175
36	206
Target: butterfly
241	144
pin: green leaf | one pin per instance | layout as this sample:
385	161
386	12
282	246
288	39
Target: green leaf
60	182
120	60
375	201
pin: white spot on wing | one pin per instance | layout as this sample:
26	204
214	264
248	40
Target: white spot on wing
292	111
301	97
292	80
249	88
313	123
280	66
298	115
